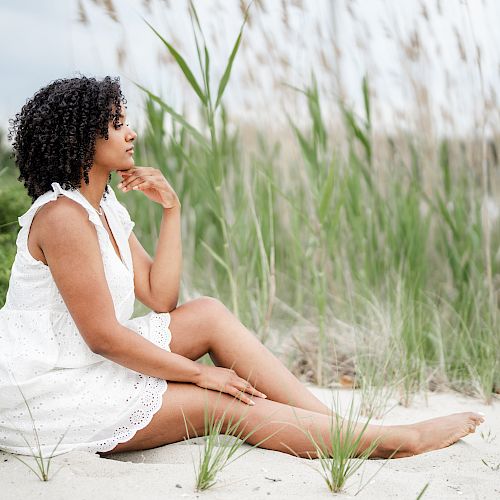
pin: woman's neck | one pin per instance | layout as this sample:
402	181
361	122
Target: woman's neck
94	190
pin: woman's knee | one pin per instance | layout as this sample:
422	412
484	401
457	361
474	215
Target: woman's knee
211	309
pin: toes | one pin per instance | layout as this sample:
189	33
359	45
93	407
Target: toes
476	418
472	425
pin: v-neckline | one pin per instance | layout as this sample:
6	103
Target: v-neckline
113	233
119	257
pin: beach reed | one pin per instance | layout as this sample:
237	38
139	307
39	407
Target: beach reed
488	437
43	466
339	457
268	243
220	446
421	494
494	468
216	165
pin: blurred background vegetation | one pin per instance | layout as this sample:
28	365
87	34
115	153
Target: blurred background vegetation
359	256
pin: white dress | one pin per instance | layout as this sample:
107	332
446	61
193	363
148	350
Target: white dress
69	388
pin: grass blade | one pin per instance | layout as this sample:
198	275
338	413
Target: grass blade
227	71
176	116
183	65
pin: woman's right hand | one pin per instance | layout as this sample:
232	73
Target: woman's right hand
226	380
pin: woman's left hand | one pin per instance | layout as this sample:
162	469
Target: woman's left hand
152	183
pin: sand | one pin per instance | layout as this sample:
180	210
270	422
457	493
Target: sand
168	472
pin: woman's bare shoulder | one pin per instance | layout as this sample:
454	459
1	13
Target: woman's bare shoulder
60	208
51	218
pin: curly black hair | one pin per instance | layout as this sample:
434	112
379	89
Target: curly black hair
56	130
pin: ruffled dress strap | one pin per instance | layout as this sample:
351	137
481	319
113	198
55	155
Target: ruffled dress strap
26	219
57	190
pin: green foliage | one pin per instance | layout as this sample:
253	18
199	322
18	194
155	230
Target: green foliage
213	166
257	237
13	202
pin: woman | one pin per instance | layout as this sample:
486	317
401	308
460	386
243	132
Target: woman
67	339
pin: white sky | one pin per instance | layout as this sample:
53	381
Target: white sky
42	40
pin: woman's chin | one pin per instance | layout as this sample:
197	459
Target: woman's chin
123	168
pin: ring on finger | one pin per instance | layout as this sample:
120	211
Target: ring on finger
135	184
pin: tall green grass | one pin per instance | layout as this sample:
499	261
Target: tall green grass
333	232
368	238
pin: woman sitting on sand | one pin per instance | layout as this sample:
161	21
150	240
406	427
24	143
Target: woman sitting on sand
67	339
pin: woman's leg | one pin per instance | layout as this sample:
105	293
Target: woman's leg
203	326
206	325
279	425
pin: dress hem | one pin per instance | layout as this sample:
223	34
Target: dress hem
106	445
161	337
123	432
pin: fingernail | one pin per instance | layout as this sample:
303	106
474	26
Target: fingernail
252	402
264	396
120	185
135	187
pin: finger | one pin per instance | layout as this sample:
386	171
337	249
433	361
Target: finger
125	180
128	182
141	170
248	387
240	395
144	171
133	183
142	184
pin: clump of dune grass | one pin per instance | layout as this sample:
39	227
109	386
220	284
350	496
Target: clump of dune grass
494	468
43	466
488	437
338	455
376	348
220	448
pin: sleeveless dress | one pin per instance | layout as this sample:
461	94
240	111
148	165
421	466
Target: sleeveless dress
45	363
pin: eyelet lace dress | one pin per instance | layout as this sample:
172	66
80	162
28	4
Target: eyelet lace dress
70	389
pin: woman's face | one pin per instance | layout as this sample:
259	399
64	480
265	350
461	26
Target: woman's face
117	152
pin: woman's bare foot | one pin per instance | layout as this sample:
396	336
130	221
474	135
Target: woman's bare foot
399	441
441	432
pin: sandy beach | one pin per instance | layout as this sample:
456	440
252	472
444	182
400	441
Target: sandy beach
168	471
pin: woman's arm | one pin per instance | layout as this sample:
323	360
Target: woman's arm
127	348
70	245
165	272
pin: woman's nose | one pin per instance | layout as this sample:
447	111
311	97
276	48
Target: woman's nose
132	135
